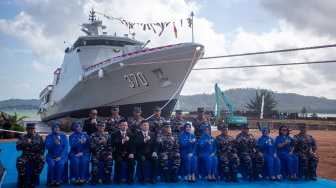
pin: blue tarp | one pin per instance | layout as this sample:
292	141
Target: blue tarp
9	155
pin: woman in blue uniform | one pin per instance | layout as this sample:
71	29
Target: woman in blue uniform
208	152
285	146
188	151
79	153
268	148
57	145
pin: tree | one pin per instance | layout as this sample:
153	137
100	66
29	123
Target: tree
304	113
269	102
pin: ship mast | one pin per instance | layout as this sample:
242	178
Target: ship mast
92	16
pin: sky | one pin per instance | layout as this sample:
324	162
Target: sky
35	33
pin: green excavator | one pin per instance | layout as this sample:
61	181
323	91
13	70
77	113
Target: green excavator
234	122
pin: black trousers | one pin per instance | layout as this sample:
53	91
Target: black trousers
118	163
141	159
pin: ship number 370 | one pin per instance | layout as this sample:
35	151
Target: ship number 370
134	79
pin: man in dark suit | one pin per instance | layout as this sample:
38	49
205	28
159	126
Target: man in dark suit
123	151
91	123
146	149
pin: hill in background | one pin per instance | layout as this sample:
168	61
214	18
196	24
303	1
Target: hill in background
287	102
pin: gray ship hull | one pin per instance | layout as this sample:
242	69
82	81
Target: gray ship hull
150	79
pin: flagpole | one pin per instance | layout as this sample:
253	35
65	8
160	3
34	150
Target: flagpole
192	26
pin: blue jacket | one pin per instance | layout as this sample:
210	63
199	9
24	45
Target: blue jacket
56	149
186	146
75	141
270	148
205	148
286	148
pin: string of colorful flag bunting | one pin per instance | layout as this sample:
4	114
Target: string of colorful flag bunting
149	26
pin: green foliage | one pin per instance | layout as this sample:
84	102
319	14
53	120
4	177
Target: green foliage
303	112
17	122
269	102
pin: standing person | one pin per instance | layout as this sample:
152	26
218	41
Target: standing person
169	149
135	121
155	122
146	149
102	150
268	148
57	145
112	122
248	150
177	123
123	151
199	122
32	147
227	152
79	154
91	123
286	147
208	150
306	150
188	151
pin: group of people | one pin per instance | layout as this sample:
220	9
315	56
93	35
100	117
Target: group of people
158	141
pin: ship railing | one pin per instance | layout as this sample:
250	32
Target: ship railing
48	88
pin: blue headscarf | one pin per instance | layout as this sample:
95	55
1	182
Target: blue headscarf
263	139
185	128
55	134
204	129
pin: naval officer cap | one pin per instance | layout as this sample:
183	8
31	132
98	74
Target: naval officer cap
201	109
224	127
246	126
137	109
165	124
115	107
178	111
303	125
30	125
100	123
157	109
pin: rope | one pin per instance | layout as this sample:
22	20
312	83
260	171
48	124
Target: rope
268	65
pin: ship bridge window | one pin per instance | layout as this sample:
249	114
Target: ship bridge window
103	42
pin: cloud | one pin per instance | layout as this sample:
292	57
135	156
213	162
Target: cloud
37	66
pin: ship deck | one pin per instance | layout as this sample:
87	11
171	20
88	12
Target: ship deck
9	155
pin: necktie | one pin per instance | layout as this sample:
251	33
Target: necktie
145	136
123	136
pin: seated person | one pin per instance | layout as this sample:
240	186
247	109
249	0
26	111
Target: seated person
57	145
32	147
146	149
79	153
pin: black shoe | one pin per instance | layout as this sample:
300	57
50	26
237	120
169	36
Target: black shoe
209	180
77	183
279	179
57	184
51	185
295	179
107	181
81	183
313	178
129	182
94	181
189	181
193	181
143	182
273	179
153	181
292	179
256	177
214	180
118	182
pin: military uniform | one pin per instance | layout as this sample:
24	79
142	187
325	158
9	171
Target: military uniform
304	144
133	128
154	125
226	148
113	127
100	152
176	125
31	152
198	124
248	151
167	151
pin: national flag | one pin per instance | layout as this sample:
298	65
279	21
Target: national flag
175	30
